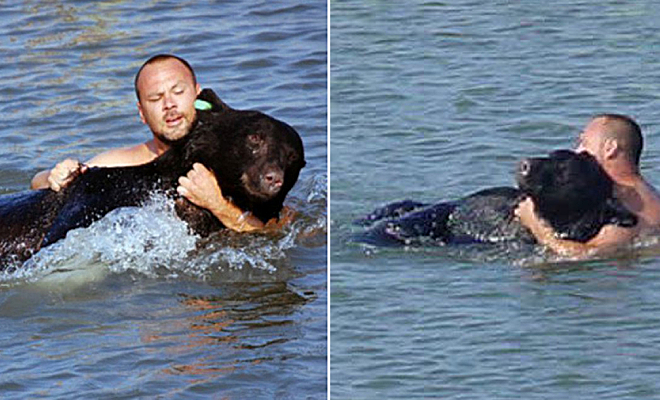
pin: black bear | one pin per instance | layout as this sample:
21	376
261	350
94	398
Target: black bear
256	160
570	191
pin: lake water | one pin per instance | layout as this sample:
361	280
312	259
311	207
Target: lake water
134	306
433	100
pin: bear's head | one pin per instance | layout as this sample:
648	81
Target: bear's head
255	158
567	187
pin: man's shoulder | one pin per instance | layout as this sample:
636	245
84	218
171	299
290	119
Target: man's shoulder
652	208
123	156
646	203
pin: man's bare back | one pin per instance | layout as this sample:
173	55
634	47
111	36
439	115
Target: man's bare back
642	199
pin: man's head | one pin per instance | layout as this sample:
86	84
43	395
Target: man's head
166	89
612	137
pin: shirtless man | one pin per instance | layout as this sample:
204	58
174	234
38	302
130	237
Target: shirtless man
616	142
166	89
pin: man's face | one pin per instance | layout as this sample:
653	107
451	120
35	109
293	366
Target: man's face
167	96
591	139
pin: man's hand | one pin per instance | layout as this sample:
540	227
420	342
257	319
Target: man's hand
64	173
525	212
200	187
543	232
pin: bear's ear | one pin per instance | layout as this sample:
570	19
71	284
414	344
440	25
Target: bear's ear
617	214
209	96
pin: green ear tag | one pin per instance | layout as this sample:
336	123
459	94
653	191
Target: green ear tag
203	105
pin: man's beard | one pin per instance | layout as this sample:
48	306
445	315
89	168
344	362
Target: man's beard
179	141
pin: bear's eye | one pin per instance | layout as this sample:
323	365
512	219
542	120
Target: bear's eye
255	142
565	176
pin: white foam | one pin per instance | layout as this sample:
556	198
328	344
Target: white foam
135	238
151	240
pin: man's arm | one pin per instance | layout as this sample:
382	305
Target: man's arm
200	187
40	180
609	239
66	171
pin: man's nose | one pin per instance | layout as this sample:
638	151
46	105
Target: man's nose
168	102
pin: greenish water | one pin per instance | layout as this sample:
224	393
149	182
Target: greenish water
435	100
135	307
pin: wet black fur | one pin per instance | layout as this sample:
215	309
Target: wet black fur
570	191
232	143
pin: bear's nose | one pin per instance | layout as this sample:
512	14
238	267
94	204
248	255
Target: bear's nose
524	167
273	179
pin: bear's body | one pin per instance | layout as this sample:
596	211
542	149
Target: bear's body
570	191
256	160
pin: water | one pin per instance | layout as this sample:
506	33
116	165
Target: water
435	100
134	306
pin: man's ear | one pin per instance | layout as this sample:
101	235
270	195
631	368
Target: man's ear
610	149
139	106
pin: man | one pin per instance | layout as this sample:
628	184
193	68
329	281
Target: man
166	89
616	142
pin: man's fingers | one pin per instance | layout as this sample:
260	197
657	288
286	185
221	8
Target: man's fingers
201	170
64	173
184	181
198	174
53	184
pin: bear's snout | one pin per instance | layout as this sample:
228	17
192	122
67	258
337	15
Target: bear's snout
272	180
524	167
529	174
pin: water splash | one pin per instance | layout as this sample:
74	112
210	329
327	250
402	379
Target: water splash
268	251
151	240
131	238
